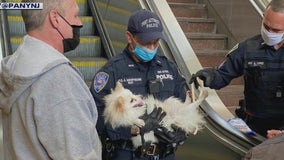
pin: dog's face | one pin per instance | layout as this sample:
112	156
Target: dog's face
123	99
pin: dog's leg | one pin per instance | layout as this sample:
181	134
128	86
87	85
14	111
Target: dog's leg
188	98
202	96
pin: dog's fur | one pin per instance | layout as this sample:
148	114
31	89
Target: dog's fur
123	108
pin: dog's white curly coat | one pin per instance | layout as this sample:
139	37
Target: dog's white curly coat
123	108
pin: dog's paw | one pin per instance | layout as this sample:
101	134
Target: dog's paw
140	123
203	94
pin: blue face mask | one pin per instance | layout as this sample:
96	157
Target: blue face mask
145	54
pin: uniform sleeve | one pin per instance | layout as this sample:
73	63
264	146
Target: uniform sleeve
231	68
102	84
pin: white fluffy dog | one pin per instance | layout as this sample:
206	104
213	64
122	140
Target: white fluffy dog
123	108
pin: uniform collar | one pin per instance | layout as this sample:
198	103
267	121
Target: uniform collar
264	45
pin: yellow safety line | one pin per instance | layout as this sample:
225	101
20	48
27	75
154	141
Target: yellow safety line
88	63
82	40
115	25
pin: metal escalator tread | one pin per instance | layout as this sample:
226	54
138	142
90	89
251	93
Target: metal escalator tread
88	65
90	46
17	25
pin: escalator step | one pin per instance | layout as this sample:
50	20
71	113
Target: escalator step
83	7
90	46
88	66
88	26
17	27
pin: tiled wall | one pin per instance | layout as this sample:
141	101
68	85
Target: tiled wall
240	16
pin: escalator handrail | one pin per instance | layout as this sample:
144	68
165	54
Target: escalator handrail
259	6
110	52
5	34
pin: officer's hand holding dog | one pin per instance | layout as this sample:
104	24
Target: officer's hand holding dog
175	137
152	120
207	75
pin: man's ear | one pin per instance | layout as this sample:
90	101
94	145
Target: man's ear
128	37
53	18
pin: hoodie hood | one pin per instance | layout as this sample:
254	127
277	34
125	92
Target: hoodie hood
20	70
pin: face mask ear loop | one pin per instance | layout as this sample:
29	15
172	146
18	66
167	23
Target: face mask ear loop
132	37
59	33
64	19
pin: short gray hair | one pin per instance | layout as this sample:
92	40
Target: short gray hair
277	5
35	18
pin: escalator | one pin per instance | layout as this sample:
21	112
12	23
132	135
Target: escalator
103	36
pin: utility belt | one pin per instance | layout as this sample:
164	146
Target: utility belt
150	150
154	150
119	144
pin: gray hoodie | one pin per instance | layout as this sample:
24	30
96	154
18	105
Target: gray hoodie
270	149
47	109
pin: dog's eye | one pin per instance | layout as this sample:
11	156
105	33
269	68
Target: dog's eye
132	100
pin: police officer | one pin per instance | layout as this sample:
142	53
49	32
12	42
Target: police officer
140	69
260	60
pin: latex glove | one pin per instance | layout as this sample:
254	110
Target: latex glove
152	120
175	137
207	75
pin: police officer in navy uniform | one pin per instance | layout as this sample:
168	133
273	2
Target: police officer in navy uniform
140	69
260	60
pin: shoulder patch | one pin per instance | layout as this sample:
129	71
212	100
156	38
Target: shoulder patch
100	81
234	48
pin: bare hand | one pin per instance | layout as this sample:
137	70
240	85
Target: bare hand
273	133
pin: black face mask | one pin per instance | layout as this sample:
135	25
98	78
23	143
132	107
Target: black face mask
71	43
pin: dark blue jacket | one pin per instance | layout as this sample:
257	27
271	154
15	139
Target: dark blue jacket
263	69
135	77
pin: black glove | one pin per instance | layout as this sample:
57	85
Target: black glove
152	120
175	137
207	75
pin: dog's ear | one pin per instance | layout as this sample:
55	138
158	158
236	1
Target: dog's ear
120	104
118	86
